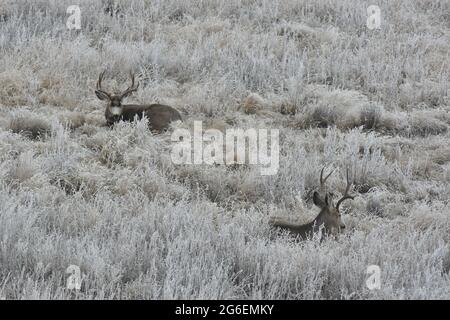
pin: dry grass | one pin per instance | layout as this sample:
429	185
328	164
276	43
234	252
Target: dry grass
73	191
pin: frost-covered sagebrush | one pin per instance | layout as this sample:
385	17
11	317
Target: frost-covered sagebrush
110	200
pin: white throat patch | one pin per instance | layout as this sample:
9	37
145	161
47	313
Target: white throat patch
116	111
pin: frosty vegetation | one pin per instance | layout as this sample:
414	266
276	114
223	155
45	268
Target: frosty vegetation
75	192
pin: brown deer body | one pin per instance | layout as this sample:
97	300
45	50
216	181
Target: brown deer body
329	217
159	116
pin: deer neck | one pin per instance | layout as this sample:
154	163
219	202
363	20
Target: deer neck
308	229
315	224
305	230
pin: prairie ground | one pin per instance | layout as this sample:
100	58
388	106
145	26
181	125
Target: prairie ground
111	201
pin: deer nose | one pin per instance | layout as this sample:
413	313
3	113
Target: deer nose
343	226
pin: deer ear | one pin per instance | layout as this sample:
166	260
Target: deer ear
101	95
317	201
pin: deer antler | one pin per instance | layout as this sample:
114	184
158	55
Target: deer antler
346	195
99	83
131	88
323	180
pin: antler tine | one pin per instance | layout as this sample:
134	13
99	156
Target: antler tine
321	175
132	79
132	84
346	195
99	81
131	88
322	179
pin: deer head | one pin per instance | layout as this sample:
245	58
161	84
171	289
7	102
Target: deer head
114	107
330	215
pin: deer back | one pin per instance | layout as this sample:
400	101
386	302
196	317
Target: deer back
303	231
159	115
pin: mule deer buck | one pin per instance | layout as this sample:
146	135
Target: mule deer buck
159	116
329	217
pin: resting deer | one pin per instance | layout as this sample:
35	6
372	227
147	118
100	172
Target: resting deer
329	217
159	116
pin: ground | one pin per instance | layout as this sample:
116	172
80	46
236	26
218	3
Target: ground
111	202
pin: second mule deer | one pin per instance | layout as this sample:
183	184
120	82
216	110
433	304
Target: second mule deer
159	116
329	217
